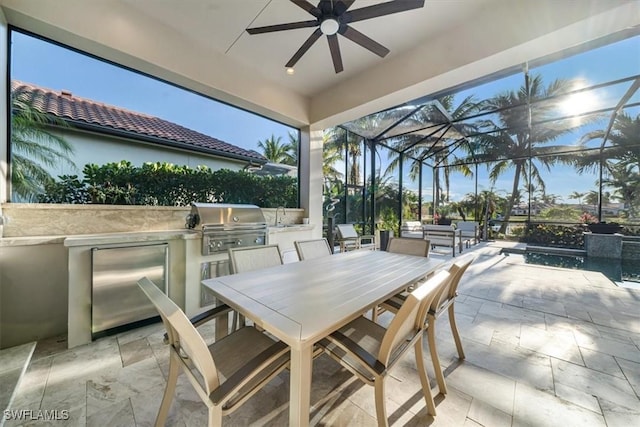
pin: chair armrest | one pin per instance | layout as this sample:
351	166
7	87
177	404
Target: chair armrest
208	315
339	339
394	303
202	318
243	375
369	237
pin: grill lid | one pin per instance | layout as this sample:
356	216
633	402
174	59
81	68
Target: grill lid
207	214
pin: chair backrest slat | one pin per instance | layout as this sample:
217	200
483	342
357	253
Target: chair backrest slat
309	249
183	337
243	260
411	316
408	246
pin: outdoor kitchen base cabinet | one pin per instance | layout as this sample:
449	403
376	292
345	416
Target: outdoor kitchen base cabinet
116	300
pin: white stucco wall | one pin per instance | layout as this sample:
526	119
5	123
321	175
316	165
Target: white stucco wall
101	149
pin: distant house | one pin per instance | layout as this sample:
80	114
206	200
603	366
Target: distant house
103	133
523	209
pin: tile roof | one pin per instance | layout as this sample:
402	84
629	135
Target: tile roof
81	111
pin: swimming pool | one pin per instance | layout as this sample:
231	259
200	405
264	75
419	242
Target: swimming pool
625	273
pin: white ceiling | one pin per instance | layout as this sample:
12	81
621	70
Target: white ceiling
220	25
203	45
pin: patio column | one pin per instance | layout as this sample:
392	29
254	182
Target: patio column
311	179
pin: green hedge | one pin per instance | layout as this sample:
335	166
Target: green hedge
165	184
560	236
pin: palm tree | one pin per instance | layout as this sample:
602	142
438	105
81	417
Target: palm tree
331	154
276	151
578	196
625	178
467	107
623	156
426	148
338	141
624	138
523	143
434	147
292	154
369	126
34	147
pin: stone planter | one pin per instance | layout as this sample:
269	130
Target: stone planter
604	228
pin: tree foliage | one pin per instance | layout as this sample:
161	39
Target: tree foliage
34	147
525	134
165	184
277	151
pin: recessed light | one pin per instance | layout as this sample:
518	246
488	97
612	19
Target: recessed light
290	71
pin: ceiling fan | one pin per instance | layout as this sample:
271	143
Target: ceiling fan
332	17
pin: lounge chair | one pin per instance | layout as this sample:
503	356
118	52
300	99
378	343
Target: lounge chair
349	238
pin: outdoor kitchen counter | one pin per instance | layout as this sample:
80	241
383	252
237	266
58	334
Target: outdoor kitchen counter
31	240
79	247
128	237
99	239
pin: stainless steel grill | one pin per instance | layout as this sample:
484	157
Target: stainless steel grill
225	226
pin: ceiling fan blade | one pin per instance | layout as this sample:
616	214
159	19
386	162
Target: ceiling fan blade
341	7
304	48
334	47
304	4
364	41
282	27
382	9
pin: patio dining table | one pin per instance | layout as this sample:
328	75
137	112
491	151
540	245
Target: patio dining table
302	302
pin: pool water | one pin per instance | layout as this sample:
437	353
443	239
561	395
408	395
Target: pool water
623	272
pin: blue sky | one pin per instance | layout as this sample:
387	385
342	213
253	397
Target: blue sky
54	67
601	65
45	64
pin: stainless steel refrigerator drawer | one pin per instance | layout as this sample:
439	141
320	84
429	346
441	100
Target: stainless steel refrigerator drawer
116	298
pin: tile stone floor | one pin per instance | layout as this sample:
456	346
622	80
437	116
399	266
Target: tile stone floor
544	347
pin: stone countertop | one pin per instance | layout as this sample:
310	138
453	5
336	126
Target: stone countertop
290	227
31	241
129	237
126	237
99	239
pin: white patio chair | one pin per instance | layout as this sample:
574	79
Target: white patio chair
349	238
405	246
444	300
409	246
315	248
243	260
369	350
224	374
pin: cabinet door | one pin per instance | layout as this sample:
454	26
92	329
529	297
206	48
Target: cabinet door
116	299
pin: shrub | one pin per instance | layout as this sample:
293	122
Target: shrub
555	235
165	184
69	189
